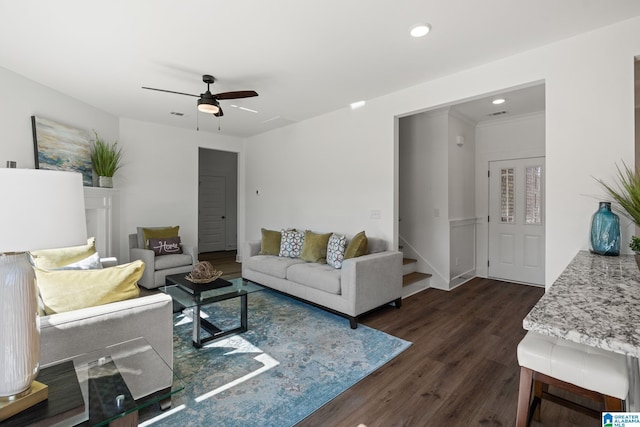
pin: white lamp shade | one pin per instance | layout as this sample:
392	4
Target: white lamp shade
41	209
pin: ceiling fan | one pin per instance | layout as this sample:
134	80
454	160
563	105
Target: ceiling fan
208	102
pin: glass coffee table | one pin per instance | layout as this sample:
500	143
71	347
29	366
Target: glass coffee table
195	295
102	387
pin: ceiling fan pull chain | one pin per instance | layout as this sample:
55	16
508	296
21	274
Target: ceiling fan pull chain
197	120
218	123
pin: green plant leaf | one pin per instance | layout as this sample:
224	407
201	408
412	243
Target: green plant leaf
106	157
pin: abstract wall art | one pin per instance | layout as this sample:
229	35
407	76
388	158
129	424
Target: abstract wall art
61	147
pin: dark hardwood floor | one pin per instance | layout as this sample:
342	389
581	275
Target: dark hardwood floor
461	370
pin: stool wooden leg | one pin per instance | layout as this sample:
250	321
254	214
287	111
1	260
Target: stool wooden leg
524	396
538	388
612	404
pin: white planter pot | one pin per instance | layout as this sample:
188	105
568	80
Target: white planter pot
105	181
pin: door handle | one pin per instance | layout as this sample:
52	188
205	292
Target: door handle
222	217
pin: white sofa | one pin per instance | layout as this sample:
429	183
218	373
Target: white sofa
361	285
67	334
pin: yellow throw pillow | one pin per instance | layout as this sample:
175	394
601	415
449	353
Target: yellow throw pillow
358	246
67	290
159	233
314	248
270	244
60	257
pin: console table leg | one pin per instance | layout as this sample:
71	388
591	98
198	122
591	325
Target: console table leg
633	401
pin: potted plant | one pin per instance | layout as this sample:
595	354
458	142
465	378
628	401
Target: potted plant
627	196
106	160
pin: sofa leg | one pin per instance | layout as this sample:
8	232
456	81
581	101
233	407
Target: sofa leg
398	303
165	404
353	322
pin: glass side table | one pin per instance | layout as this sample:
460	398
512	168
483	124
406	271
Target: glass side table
107	386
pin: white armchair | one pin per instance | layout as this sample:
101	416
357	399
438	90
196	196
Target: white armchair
158	267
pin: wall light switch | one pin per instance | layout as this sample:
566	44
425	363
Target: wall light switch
375	214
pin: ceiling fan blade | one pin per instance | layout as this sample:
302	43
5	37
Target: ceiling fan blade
170	91
219	113
237	94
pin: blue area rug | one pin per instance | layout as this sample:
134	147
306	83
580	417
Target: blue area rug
293	359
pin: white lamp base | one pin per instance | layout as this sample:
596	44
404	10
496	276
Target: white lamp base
19	325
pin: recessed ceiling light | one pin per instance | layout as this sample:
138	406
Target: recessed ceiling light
498	101
419	30
357	104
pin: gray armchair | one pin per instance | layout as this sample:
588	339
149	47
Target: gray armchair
157	268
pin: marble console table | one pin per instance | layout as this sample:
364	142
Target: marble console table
596	302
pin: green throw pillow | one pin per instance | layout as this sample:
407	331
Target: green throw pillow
357	246
314	248
61	257
67	290
270	244
159	233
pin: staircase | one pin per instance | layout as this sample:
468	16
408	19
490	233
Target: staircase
413	281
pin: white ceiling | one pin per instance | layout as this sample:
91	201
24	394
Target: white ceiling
304	58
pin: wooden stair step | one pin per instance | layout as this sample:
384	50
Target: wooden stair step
406	261
411	278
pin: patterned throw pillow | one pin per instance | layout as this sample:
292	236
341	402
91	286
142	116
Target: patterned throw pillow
291	243
335	250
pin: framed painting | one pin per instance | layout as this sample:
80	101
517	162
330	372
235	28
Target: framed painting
61	147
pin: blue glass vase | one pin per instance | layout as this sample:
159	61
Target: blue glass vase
605	231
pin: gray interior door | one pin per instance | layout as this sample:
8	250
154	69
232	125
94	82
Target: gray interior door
212	214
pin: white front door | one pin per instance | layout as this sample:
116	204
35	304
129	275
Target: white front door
516	220
212	214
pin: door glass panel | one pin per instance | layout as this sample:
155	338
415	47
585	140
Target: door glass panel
507	195
533	203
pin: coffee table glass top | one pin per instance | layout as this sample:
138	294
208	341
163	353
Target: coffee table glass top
189	294
119	380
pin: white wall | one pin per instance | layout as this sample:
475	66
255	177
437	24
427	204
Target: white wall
324	174
159	181
22	98
517	137
462	166
589	127
462	199
424	206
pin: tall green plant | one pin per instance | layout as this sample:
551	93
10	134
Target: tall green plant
105	157
626	193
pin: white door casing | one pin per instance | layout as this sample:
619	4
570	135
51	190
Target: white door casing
517	220
212	214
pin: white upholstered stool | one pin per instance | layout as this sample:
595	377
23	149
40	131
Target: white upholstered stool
581	369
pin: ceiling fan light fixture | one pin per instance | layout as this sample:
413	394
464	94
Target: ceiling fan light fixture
209	106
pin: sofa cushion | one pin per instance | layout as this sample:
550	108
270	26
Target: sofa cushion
272	265
144	233
91	262
375	245
314	248
357	246
66	290
335	250
270	243
291	243
173	260
319	276
60	257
